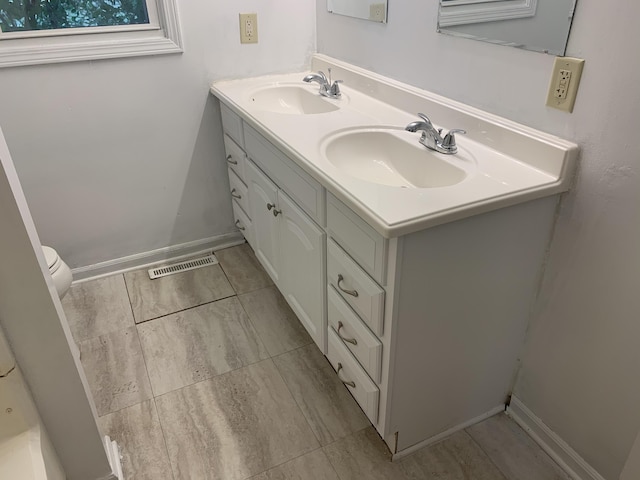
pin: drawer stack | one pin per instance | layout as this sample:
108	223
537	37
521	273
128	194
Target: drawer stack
356	256
236	162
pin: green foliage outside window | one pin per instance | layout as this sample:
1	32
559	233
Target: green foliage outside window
27	15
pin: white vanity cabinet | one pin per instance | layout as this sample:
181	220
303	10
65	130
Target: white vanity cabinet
236	162
425	328
290	246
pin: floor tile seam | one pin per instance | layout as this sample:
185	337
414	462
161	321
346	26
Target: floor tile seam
216	377
186	308
125	407
144	360
271	356
286	384
505	475
211	377
126	286
164	439
293	397
227	276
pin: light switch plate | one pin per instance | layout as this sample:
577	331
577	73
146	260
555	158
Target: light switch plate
564	83
248	28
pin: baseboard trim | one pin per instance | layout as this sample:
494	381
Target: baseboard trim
436	438
565	456
113	454
153	257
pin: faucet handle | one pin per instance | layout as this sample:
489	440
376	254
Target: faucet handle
449	140
425	118
335	88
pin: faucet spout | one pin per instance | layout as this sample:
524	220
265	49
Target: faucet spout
431	138
319	77
326	88
416	126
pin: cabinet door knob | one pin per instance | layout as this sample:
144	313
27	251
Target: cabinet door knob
276	212
350	383
234	194
352	341
353	293
270	206
231	160
238	225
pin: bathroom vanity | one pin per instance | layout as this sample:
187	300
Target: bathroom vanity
414	272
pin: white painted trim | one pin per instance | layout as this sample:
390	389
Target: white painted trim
559	450
115	460
436	438
465	12
154	257
73	48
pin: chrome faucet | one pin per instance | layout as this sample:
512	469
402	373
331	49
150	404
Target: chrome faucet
432	139
327	89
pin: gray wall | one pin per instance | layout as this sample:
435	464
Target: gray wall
119	157
579	373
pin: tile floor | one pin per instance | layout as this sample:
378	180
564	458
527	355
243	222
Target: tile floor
208	374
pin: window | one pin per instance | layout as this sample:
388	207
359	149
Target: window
48	31
460	12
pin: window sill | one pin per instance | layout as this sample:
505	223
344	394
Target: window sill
96	46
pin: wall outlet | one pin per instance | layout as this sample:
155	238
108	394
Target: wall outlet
248	28
565	79
377	12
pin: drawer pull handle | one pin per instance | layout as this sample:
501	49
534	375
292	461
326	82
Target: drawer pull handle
234	194
349	383
353	293
238	225
353	341
231	160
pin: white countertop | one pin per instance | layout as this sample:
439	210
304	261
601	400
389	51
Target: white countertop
498	175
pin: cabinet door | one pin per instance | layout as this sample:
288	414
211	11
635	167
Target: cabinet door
302	268
262	195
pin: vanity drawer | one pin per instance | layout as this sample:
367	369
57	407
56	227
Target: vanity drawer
243	222
235	157
364	345
232	124
298	184
364	295
358	238
239	191
353	376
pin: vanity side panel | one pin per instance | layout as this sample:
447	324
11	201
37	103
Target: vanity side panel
464	296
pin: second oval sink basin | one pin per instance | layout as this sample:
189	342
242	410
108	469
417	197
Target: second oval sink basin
392	157
291	99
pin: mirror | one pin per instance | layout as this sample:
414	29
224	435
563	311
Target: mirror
374	10
538	25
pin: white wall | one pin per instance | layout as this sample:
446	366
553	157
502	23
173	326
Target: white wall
580	367
119	157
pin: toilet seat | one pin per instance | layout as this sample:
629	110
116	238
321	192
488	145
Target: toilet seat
59	271
52	258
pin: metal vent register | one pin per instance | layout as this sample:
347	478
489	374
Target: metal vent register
182	266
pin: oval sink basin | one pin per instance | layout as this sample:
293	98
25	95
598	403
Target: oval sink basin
292	99
393	157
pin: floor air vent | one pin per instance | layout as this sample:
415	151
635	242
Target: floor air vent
182	266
